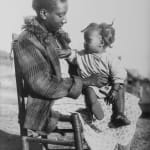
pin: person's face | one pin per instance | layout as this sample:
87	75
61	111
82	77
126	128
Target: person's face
56	18
93	43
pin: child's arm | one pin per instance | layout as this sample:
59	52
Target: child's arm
64	53
117	78
118	72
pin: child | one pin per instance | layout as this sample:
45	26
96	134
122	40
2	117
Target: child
95	59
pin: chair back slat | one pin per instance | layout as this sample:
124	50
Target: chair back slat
20	94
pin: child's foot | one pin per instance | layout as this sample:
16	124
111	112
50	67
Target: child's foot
118	121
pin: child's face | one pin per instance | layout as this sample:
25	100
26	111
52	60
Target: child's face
93	42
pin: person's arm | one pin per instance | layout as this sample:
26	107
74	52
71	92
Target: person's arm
98	80
38	74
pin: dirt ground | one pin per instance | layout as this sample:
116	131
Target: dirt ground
9	128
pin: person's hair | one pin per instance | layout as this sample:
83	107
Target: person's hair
108	33
37	5
49	5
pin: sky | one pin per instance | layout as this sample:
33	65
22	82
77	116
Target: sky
131	21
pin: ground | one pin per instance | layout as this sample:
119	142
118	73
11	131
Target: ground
9	127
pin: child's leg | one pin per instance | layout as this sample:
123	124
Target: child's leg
118	106
92	103
118	117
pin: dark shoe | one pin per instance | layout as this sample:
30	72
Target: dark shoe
118	121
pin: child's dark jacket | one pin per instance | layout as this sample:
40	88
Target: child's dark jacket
35	50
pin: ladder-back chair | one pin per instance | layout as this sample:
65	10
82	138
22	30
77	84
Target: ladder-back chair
44	140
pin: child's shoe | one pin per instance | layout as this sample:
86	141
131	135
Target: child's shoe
119	120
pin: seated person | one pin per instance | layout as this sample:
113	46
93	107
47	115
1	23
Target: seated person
95	59
37	59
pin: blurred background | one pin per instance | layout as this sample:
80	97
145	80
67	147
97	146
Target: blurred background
131	21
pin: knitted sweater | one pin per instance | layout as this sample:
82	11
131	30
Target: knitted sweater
35	53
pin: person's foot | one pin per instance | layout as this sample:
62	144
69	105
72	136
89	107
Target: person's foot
118	121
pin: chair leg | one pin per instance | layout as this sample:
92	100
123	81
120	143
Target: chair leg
77	132
45	146
25	143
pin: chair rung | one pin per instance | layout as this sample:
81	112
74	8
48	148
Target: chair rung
63	130
69	149
49	141
65	118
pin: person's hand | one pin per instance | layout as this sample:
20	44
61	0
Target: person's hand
111	97
98	80
63	35
63	53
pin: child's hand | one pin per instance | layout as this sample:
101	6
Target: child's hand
111	97
63	53
113	94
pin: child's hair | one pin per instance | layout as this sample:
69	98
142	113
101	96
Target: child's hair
107	33
90	28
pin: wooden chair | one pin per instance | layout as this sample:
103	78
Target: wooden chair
73	119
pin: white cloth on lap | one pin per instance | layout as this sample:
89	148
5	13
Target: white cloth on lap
108	138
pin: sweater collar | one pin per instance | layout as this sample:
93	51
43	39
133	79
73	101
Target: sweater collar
32	25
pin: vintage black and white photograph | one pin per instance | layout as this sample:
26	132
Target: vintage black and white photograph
74	75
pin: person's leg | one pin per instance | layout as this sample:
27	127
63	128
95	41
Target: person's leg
92	103
118	117
118	106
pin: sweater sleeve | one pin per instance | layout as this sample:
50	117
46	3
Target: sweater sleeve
38	74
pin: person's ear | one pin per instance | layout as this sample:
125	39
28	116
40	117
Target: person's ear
43	14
